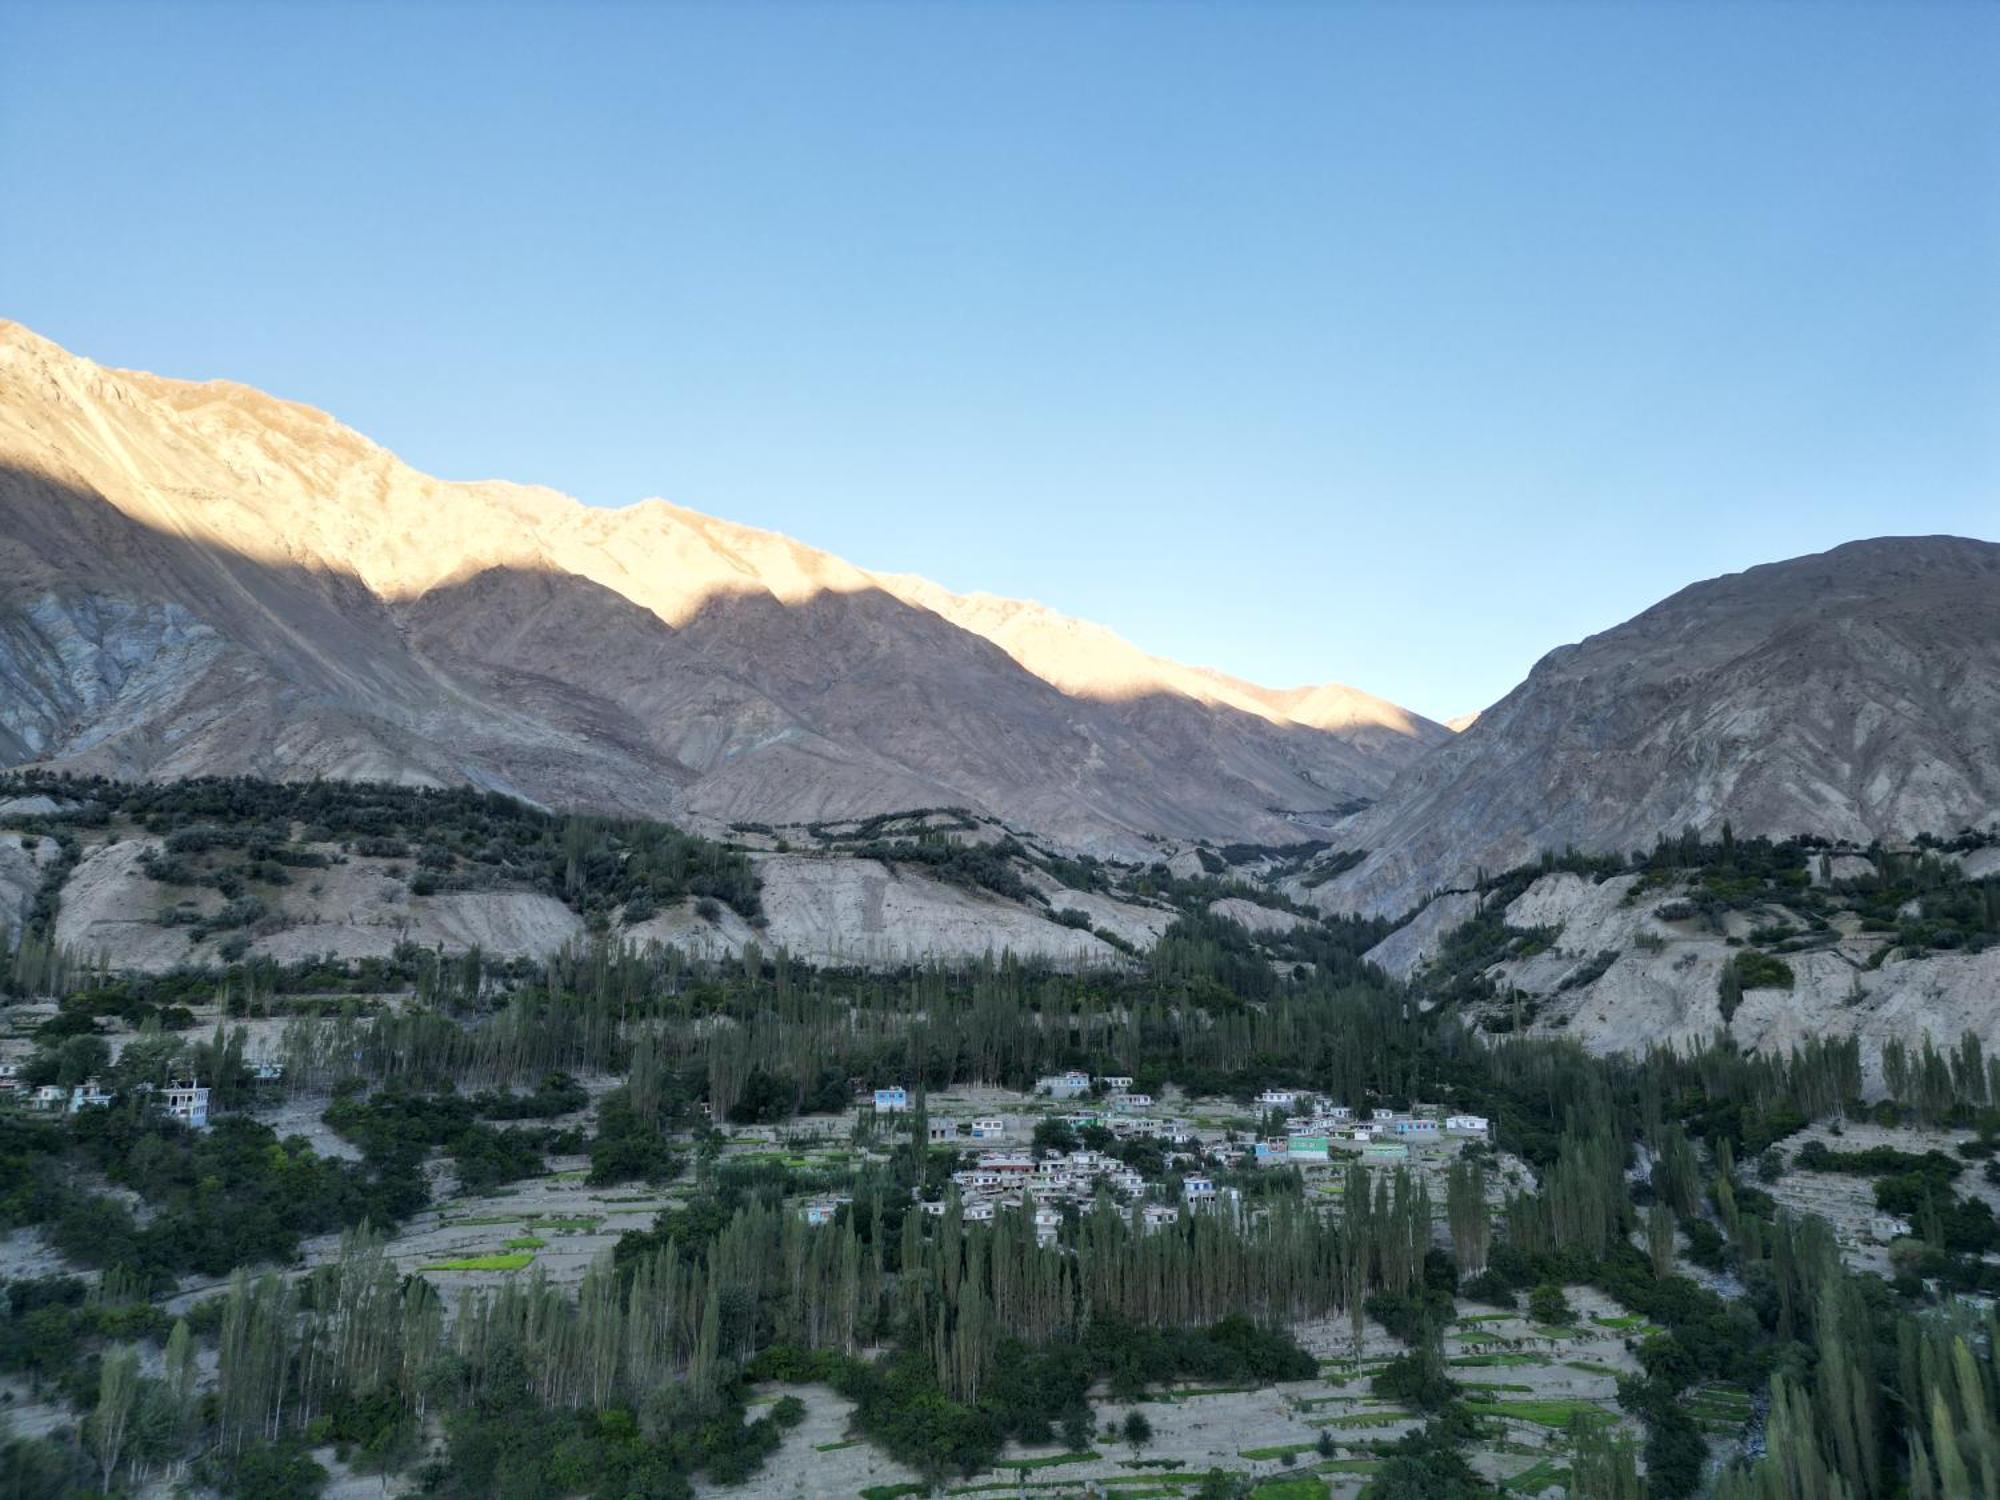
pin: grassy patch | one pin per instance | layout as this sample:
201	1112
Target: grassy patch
1591	1367
526	1242
1532	1481
1054	1460
512	1260
1277	1451
576	1224
1496	1361
1625	1321
1290	1489
1556	1414
1366	1419
836	1447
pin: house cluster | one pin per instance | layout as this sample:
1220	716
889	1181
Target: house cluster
183	1101
1118	1092
1171	1133
1003	1179
1318	1126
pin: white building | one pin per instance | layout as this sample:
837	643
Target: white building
1048	1223
1159	1215
893	1100
990	1129
1197	1189
1132	1101
267	1072
50	1096
1466	1124
1413	1127
10	1075
188	1103
1070	1085
979	1213
1116	1085
88	1095
1279	1098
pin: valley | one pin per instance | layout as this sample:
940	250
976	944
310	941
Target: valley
501	997
1242	1200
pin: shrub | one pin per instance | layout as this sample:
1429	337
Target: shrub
1546	1304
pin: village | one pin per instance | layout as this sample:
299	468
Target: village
1078	1136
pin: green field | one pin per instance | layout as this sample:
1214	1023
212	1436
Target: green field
513	1260
1554	1414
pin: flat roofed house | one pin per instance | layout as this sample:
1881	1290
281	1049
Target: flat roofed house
88	1095
1070	1085
188	1103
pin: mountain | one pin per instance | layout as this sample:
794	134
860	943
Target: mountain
1356	732
1850	695
199	577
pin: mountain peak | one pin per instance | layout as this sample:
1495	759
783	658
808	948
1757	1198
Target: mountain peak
355	616
1852	694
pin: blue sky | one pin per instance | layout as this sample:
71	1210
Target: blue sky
1387	344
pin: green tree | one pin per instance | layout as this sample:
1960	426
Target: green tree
1546	1304
1137	1431
111	1422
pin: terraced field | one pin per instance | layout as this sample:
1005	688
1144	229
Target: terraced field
1316	1438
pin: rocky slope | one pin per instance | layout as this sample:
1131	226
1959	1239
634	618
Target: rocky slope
823	909
1624	969
1850	695
202	578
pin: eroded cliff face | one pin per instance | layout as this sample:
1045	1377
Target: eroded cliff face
1622	970
200	577
1853	695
